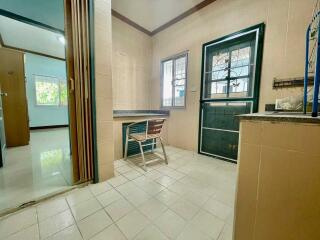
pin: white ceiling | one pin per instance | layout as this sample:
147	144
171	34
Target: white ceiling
152	14
25	36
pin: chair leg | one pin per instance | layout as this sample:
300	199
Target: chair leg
164	151
126	148
152	146
142	155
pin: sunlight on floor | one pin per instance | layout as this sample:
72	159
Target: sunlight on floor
43	167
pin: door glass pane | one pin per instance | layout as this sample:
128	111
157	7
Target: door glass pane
218	89
220	61
239	88
220	127
223	115
218	143
240	57
220	64
167	83
179	94
239	71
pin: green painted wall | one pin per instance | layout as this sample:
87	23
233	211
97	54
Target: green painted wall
50	12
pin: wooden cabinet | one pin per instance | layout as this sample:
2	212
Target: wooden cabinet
14	99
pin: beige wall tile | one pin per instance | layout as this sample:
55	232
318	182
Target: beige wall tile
103	72
132	57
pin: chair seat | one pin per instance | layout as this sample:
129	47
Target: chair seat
142	136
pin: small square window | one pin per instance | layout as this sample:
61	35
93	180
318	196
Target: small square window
173	81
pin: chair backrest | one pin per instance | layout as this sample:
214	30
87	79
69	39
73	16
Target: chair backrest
154	126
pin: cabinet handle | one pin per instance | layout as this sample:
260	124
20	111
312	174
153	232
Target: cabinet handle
71	84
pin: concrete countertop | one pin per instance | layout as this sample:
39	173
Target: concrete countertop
281	117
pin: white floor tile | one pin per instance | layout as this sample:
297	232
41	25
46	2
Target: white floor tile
55	224
141	180
132	174
127	188
170	224
192	233
132	224
94	224
196	198
30	233
117	181
119	163
167	197
153	208
17	222
165	181
108	197
154	174
175	175
124	169
151	233
110	233
218	209
70	233
164	170
79	195
152	188
99	188
179	188
226	233
85	209
26	176
138	198
184	209
118	209
51	208
208	224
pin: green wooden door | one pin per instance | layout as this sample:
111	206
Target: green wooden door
230	87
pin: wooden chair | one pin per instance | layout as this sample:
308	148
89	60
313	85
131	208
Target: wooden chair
152	131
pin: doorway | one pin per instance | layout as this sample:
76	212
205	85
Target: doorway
230	86
50	104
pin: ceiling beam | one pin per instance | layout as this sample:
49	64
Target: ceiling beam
166	25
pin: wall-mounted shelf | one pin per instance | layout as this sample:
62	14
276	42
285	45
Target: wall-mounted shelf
290	82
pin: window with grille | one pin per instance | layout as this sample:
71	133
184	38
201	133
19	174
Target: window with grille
173	81
50	91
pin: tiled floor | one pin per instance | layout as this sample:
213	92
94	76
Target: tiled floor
190	199
43	167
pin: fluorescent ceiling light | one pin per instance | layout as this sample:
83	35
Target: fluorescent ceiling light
61	39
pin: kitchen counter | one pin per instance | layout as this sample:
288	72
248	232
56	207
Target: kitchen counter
278	177
140	113
281	117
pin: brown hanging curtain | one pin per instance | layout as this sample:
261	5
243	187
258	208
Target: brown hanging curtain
78	69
